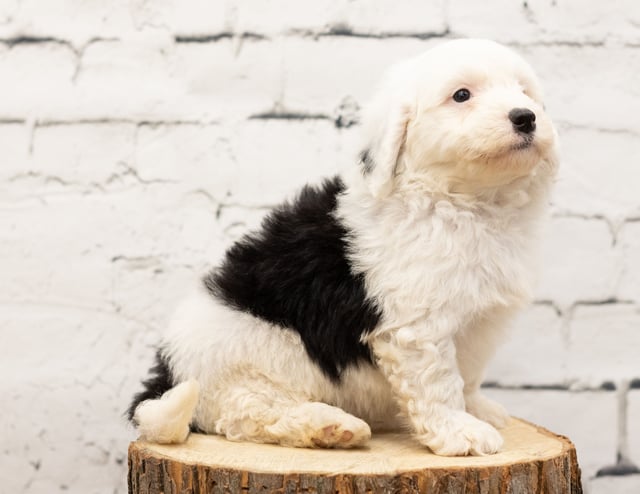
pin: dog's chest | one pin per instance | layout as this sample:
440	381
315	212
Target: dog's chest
445	257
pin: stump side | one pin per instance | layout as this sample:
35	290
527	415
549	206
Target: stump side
534	461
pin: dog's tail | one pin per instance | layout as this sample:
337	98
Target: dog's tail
167	419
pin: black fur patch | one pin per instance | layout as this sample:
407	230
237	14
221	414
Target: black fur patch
160	380
294	272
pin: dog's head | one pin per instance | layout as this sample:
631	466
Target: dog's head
465	116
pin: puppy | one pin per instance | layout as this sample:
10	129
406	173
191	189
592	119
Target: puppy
375	299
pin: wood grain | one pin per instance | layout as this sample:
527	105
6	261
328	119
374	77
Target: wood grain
533	460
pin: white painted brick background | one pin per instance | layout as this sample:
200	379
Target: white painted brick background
139	138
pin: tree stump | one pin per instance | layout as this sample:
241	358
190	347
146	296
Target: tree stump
533	460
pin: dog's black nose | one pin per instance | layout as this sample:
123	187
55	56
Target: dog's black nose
523	120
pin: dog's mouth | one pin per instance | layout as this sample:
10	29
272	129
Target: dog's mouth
525	143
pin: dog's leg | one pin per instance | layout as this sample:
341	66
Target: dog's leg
261	411
475	345
419	360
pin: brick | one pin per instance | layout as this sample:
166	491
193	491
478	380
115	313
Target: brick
586	183
284	16
188	153
198	17
153	17
132	277
161	221
579	262
21	76
51	254
587	418
603	343
252	163
65	422
535	352
15	150
75	21
599	72
274	159
481	21
322	74
227	78
629	240
131	79
8	10
369	17
81	328
633	425
413	17
545	22
56	254
83	153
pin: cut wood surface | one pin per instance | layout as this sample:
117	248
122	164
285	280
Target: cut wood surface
533	460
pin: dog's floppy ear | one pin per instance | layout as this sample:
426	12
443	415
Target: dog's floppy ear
385	128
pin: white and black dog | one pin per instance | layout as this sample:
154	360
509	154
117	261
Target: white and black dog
376	299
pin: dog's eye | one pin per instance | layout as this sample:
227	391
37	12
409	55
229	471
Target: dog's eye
461	95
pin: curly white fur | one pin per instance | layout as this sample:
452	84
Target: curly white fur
443	232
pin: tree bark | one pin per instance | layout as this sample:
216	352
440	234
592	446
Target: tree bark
533	460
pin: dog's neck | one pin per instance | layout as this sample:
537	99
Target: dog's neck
501	187
420	191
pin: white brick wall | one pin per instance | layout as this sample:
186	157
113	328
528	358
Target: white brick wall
130	160
574	415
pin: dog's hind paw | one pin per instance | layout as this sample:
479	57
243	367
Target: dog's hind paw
341	436
318	425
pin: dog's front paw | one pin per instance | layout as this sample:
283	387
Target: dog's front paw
461	434
486	409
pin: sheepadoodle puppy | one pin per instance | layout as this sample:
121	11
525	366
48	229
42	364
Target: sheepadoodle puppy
374	300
